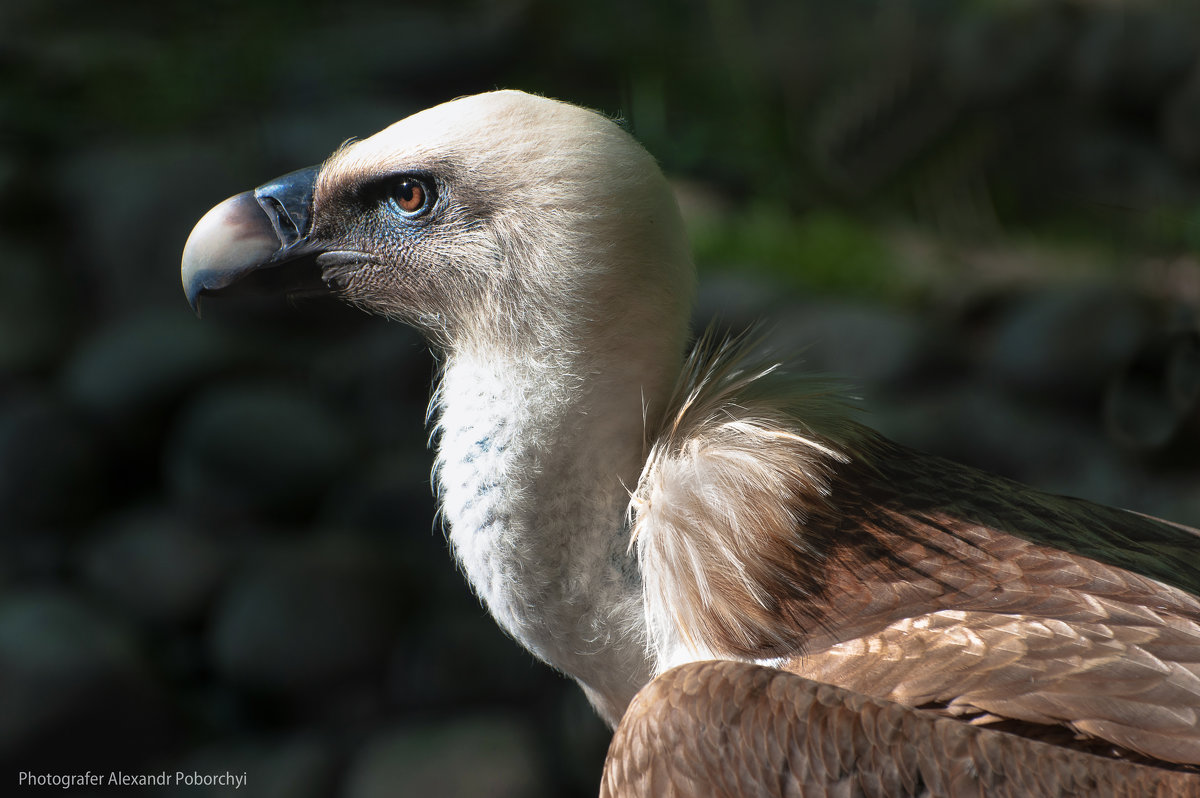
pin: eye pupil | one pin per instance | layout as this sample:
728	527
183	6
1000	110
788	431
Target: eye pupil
410	195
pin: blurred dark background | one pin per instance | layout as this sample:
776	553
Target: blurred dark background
217	540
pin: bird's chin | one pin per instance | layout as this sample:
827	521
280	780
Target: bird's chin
358	279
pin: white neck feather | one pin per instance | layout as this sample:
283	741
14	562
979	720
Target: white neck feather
533	462
561	314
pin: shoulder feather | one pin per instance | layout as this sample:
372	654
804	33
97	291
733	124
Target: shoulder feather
731	477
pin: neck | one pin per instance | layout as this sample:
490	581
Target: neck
534	459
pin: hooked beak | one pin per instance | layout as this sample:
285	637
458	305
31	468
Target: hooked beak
248	234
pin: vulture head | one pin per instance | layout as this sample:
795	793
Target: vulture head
501	218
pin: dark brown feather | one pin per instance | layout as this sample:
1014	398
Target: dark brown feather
901	533
732	730
944	585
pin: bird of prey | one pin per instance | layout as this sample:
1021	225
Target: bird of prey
810	608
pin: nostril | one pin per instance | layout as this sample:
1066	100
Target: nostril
285	227
287	201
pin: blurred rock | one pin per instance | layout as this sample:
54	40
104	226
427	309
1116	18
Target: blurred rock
1175	497
388	504
294	767
493	756
988	58
734	302
309	616
134	217
1051	450
130	378
367	55
1066	341
36	310
142	362
154	565
1131	58
256	449
51	471
1113	167
1181	122
381	378
438	663
1152	403
297	136
862	344
8	162
74	692
390	496
579	741
31	559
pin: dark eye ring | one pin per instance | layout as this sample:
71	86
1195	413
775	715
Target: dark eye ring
412	196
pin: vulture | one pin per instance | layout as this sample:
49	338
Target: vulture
760	594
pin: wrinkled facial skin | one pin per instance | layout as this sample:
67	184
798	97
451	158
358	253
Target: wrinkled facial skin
423	268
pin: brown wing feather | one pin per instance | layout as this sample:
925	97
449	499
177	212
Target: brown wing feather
726	729
1002	623
842	556
1105	681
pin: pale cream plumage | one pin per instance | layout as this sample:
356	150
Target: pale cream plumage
547	264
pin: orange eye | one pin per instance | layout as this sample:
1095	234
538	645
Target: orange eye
411	196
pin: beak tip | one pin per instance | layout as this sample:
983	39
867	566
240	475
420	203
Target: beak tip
230	240
191	289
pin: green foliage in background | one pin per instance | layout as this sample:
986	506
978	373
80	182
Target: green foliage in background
825	250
